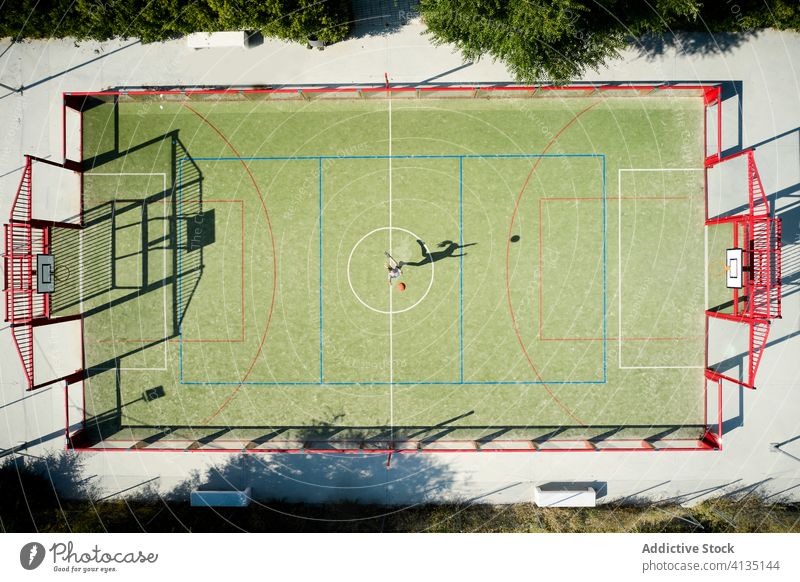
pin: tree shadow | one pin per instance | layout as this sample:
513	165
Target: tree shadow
381	17
373	481
348	493
289	493
34	487
654	46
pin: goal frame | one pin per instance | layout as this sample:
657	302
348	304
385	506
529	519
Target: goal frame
27	236
759	232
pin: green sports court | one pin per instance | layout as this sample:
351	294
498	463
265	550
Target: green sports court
231	269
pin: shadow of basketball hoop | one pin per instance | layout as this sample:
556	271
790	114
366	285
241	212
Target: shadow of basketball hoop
61	273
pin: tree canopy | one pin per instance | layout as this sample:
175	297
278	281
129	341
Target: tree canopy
558	40
154	20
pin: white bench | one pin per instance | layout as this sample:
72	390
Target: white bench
233	38
220	498
564	496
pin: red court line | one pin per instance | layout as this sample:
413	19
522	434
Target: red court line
316	89
231	341
541	278
274	260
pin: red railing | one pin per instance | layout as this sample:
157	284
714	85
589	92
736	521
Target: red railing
20	253
759	205
17	286
762	252
25	238
707	441
23	342
23	242
21	207
17	263
709	92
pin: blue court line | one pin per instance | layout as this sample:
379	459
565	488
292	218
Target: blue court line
461	262
398	157
367	383
320	270
461	276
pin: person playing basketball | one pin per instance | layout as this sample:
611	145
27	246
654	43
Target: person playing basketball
395	269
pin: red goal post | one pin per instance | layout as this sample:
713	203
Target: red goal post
27	235
758	233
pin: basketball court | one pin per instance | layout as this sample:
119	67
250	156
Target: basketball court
563	265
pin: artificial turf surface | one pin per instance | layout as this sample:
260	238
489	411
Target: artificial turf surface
234	286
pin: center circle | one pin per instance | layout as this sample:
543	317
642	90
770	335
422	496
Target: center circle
382	277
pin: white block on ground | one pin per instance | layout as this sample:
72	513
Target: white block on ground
199	40
564	496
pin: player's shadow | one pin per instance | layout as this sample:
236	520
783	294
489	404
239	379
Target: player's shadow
448	250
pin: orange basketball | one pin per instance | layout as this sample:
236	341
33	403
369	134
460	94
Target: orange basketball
401	286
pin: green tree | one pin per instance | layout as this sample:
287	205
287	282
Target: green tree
155	20
750	15
300	19
558	40
546	40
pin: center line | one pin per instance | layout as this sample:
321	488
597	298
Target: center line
391	306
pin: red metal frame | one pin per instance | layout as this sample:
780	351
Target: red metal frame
761	237
710	440
26	237
712	98
709	92
18	267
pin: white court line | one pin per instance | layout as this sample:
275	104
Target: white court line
661	169
619	268
662	368
164	287
350	279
